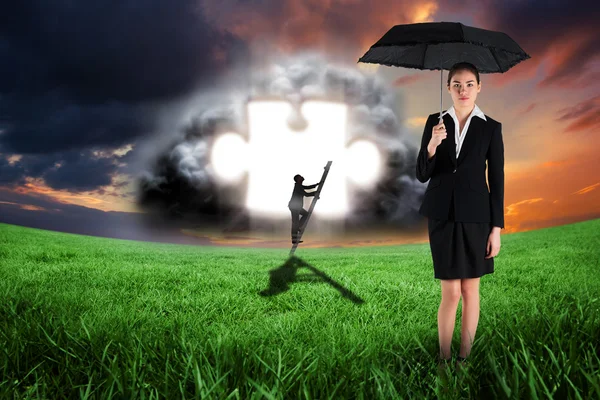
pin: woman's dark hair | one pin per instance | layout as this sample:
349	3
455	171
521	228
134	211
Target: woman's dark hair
463	66
297	178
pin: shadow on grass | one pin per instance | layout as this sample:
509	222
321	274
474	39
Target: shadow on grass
282	277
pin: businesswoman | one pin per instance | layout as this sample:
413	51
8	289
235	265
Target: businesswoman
464	218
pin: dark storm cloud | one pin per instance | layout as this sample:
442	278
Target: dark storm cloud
538	25
35	165
104	50
79	74
14	174
73	171
11	174
80	172
51	122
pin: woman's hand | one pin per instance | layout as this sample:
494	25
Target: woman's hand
438	133
493	243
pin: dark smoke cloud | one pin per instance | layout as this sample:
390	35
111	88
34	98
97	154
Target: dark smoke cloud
178	179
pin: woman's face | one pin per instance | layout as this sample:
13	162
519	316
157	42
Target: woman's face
463	89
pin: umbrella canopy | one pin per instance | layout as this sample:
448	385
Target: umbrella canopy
440	45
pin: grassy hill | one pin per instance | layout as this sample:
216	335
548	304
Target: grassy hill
94	317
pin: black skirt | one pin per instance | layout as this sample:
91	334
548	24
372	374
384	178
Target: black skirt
458	248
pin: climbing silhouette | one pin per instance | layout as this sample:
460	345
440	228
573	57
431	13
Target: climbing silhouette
295	205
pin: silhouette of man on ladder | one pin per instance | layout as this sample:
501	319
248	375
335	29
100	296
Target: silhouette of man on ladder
296	205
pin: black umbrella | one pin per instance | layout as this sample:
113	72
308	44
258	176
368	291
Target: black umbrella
440	45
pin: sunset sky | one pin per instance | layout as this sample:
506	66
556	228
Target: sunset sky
83	86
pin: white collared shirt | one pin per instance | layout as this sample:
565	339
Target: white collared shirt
459	137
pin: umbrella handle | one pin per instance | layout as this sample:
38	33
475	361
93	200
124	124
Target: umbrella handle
441	77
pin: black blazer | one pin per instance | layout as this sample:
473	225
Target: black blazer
464	178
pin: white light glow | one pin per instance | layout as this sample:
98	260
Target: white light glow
278	153
228	157
275	153
364	162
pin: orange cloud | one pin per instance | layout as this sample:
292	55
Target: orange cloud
555	164
523	71
588	189
407	80
585	115
416	122
29	207
567	59
100	199
542	213
528	109
333	26
32	207
559	193
513	210
14	159
556	60
36	186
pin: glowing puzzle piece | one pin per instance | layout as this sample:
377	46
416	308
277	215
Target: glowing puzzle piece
275	153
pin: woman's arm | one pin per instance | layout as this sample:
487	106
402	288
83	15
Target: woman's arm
425	164
495	158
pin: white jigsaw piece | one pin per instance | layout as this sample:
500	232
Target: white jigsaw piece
275	153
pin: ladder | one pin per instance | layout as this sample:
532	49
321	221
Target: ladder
312	207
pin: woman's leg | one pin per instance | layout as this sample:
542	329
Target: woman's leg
447	314
470	314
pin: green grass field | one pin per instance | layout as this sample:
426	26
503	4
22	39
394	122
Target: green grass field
87	317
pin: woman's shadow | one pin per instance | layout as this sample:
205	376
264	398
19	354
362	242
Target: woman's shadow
282	277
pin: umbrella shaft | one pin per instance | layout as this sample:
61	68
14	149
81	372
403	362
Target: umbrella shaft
441	78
